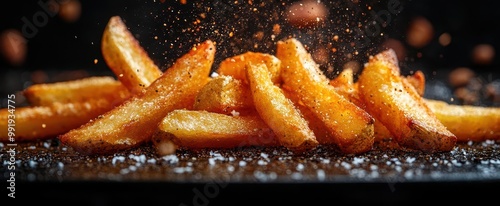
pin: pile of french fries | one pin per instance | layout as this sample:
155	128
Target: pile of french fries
252	99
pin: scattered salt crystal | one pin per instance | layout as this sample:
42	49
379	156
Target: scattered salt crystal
214	74
358	160
152	160
46	145
321	174
33	163
261	162
231	159
410	159
172	158
300	167
32	147
260	175
230	168
180	170
117	158
132	168
124	171
235	113
374	167
1	144
495	162
242	163
296	176
325	161
264	155
211	161
346	165
456	163
60	165
408	174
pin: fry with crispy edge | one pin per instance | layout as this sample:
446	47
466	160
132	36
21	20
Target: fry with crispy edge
350	126
44	122
235	66
290	127
393	101
226	95
136	120
126	58
192	129
468	122
79	90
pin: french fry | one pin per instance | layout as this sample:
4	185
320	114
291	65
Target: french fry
136	120
349	125
417	80
201	129
235	66
396	104
344	84
317	126
468	122
44	122
80	90
225	95
278	111
126	58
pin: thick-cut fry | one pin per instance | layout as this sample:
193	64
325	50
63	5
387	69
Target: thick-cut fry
278	111
467	122
226	95
235	66
134	122
126	58
417	79
398	106
201	129
80	90
317	126
349	125
44	122
344	84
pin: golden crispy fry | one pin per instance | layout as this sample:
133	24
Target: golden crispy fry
344	84
467	122
278	111
201	129
80	90
317	126
398	106
126	58
235	66
134	122
417	80
43	122
349	125
225	95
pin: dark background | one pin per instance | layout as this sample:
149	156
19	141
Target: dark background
166	30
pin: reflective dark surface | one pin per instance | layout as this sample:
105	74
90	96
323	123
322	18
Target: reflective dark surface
60	51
